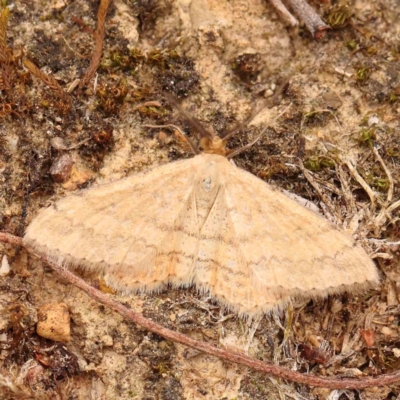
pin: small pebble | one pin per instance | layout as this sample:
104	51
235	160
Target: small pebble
396	352
314	340
373	120
387	331
58	143
107	340
163	137
5	266
369	336
54	322
61	168
268	93
336	306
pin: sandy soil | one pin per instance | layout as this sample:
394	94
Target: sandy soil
223	60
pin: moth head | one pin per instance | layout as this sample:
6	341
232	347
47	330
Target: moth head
213	145
209	142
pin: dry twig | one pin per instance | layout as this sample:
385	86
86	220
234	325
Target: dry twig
238	358
387	208
346	191
305	13
99	39
307	174
311	19
388	174
284	13
372	195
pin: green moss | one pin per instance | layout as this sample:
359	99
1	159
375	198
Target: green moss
367	136
392	152
380	184
162	368
136	54
362	73
339	16
392	97
153	111
317	163
351	44
371	51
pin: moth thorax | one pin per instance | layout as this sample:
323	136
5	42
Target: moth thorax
207	184
214	145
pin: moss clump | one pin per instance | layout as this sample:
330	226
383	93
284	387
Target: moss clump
339	16
362	73
367	136
317	163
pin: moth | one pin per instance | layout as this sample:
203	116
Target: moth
203	222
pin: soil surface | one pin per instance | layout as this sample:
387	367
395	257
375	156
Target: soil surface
331	109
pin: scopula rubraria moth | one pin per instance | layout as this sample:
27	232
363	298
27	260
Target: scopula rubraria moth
203	222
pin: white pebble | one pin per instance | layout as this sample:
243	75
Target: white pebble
5	266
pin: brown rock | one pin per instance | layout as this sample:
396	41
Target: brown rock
54	322
61	168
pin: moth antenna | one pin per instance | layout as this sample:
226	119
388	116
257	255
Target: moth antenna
248	145
186	137
231	132
192	121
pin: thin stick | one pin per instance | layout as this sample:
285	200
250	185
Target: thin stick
238	358
383	242
346	190
373	197
385	213
388	174
98	47
316	187
284	13
311	19
393	206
